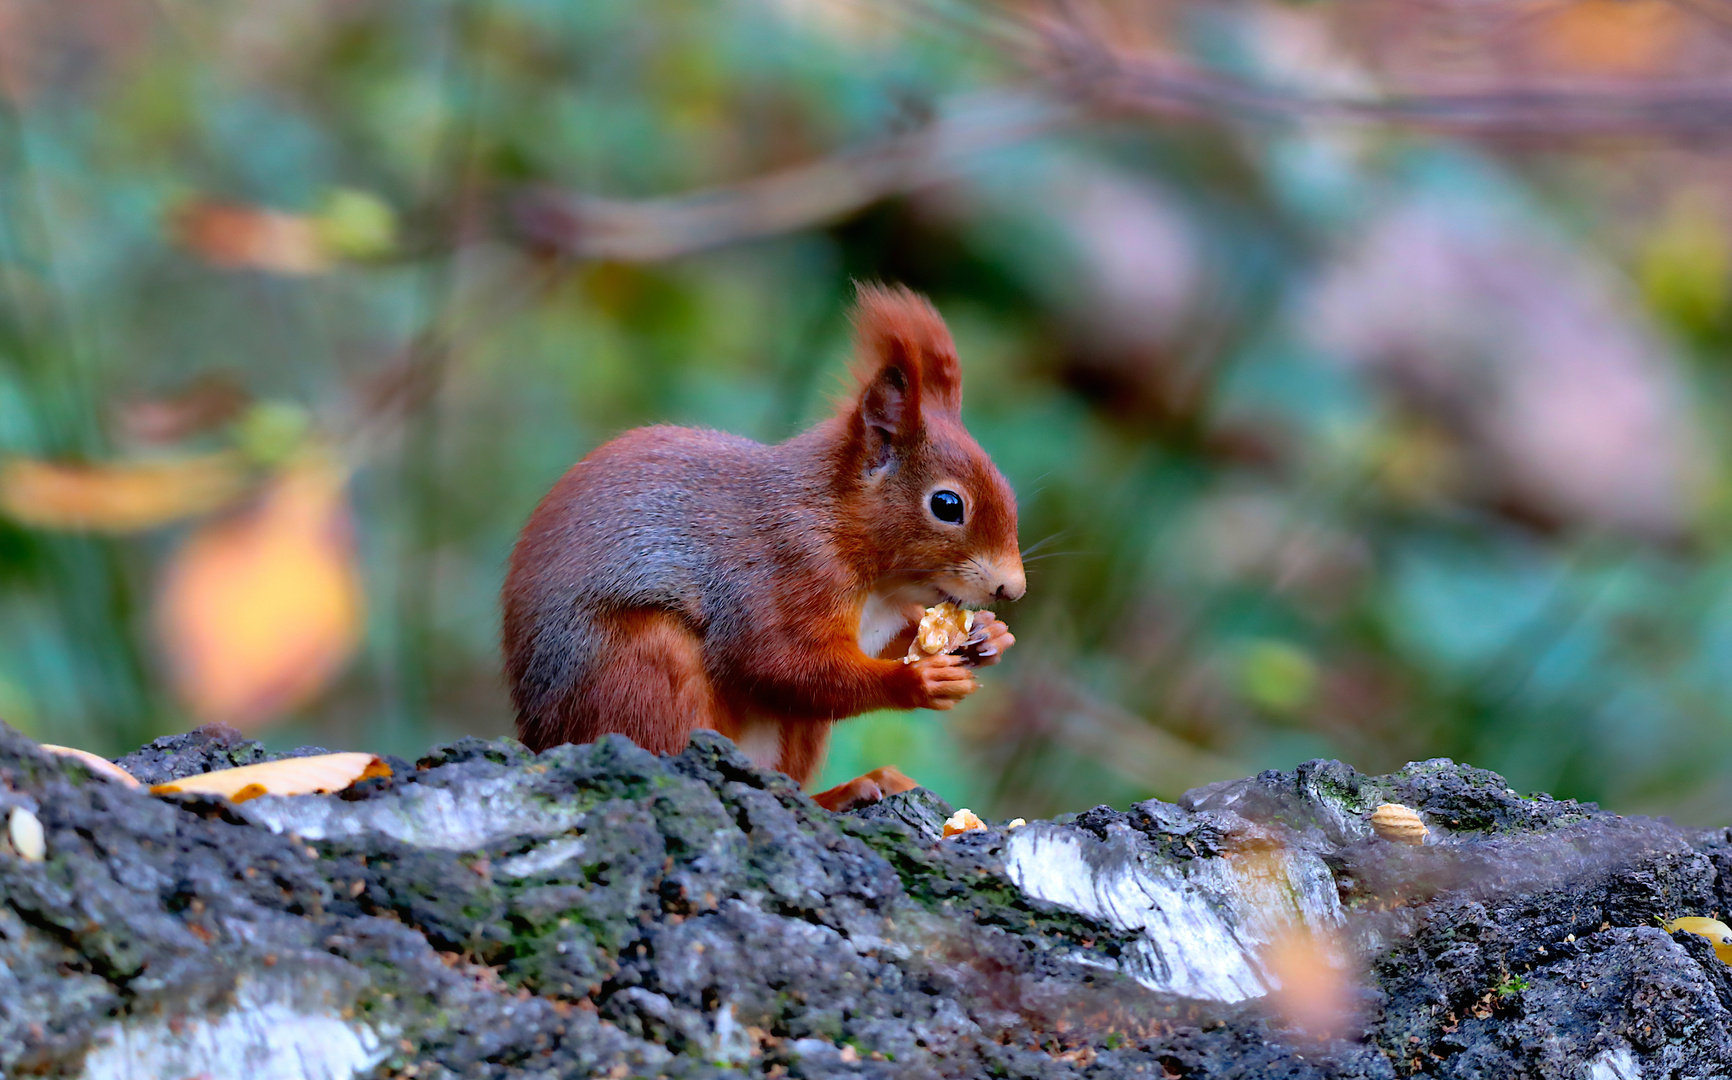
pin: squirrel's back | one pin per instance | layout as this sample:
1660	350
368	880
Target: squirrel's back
619	526
683	520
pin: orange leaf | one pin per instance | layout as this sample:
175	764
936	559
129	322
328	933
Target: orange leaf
285	776
250	237
120	497
206	404
1313	983
1612	37
259	611
101	766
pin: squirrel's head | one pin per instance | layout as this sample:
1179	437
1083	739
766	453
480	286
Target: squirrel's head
937	511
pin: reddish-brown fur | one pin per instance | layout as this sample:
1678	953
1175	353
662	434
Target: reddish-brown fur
677	579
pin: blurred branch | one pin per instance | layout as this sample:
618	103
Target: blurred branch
591	227
1672	113
1091	71
1088	79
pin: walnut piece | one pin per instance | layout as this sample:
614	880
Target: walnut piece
964	820
1402	824
942	628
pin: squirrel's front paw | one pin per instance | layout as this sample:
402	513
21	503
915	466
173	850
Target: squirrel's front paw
937	682
988	637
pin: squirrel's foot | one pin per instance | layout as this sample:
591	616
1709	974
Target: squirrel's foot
864	790
988	637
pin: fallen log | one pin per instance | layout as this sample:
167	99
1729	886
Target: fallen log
598	911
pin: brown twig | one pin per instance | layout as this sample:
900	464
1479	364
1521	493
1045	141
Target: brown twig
1085	79
1669	112
648	230
1090	71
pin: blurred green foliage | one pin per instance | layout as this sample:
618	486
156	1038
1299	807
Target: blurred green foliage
1331	440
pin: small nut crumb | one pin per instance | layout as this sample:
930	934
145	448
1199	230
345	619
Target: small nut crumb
849	1054
1402	824
1015	823
964	820
25	832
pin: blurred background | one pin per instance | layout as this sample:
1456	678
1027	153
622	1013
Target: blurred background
1362	367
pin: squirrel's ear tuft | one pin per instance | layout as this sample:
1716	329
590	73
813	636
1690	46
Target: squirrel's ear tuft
889	406
897	328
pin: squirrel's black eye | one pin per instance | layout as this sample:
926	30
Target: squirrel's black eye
947	506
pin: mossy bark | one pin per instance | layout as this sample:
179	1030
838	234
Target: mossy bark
597	911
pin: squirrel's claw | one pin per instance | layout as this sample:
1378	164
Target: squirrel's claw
865	790
987	641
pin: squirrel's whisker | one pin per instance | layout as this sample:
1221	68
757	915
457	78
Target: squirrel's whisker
1038	544
1050	555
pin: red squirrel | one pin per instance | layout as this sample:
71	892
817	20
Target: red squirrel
677	578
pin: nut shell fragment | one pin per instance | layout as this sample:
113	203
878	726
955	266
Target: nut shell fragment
1718	933
286	776
964	820
1399	823
24	829
943	627
101	766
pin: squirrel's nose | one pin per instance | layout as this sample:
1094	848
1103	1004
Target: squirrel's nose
1012	587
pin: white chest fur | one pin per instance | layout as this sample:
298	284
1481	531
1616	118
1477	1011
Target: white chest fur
881	619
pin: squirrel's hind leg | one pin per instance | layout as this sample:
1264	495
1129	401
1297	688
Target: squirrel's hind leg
647	682
865	790
803	746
